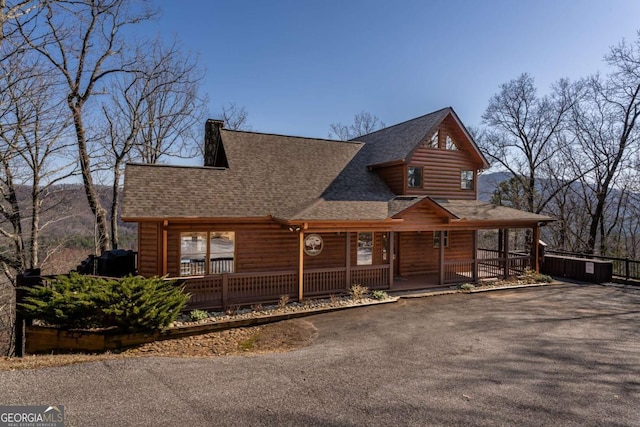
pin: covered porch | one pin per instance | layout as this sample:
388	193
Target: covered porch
317	277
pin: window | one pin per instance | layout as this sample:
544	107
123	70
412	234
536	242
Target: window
432	142
414	177
436	239
194	251
449	144
221	252
466	180
365	248
385	246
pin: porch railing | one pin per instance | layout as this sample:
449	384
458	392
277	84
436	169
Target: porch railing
373	277
222	290
490	264
325	281
458	271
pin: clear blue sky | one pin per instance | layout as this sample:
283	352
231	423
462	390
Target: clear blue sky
299	65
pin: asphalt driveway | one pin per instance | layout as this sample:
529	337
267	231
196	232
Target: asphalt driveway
561	355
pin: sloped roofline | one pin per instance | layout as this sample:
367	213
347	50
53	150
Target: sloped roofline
485	162
430	203
279	135
450	112
400	124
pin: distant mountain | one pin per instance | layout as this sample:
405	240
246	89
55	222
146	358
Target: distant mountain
488	182
66	219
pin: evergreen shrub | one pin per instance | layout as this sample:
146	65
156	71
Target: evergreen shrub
132	303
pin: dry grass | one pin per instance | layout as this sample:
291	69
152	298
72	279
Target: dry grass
281	336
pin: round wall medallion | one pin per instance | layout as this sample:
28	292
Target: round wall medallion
313	244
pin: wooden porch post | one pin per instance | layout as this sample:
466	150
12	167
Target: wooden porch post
475	256
441	252
391	255
347	275
300	265
505	246
165	226
535	253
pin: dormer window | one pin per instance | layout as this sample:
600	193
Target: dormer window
449	144
414	177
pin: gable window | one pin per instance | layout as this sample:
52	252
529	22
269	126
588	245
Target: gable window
449	144
466	180
203	253
365	248
433	141
414	177
436	239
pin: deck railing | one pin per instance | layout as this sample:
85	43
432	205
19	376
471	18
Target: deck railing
623	268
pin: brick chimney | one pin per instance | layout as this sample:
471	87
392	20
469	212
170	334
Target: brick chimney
212	143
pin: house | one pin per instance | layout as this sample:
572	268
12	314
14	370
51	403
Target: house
271	215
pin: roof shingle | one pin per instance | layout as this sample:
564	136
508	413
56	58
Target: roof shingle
296	178
268	175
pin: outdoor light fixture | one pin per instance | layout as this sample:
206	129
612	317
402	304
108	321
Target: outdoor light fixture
294	228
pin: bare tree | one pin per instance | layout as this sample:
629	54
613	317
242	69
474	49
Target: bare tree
172	106
363	123
12	11
605	125
234	117
524	134
34	157
83	42
150	114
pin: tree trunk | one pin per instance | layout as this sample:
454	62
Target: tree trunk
15	218
102	232
115	203
34	259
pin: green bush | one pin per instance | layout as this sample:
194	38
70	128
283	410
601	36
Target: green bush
145	304
197	315
467	286
131	303
379	295
69	301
